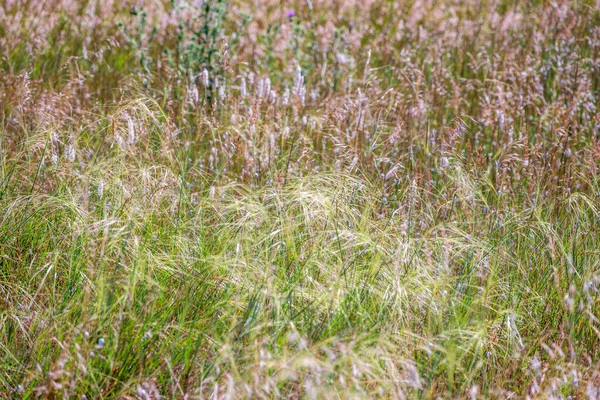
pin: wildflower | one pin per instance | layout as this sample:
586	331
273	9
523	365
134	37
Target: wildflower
473	392
130	131
298	81
243	90
148	390
260	89
536	366
193	94
70	153
100	190
285	98
204	77
119	140
291	14
444	163
392	173
413	379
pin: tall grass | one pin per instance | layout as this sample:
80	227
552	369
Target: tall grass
236	199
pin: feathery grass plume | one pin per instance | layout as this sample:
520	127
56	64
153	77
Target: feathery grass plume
204	78
346	200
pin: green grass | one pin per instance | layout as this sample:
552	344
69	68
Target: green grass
408	207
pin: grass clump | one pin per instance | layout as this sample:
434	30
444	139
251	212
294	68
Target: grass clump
316	200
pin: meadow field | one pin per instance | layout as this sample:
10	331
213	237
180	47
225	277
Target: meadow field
316	199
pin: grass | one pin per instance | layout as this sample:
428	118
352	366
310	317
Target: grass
307	200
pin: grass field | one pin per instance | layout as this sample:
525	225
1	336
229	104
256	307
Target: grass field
309	199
